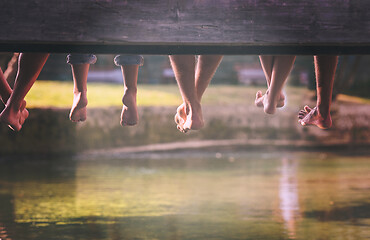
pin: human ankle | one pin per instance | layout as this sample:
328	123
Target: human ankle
272	98
129	96
194	105
323	111
82	92
131	89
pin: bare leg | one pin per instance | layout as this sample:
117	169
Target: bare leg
280	71
129	115
5	90
184	68
29	67
267	63
325	67
11	71
205	69
78	110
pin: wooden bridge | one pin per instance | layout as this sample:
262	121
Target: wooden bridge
186	26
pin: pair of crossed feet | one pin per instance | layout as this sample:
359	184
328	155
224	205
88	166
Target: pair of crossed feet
189	117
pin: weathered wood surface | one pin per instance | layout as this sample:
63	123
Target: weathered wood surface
186	26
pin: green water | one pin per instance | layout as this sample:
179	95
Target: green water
226	195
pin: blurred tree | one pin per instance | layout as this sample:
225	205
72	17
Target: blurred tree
347	70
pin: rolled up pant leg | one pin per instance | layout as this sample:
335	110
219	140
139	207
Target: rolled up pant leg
81	58
120	60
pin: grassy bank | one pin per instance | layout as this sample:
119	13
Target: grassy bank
59	94
228	111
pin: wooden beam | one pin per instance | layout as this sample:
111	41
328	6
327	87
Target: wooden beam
186	26
168	49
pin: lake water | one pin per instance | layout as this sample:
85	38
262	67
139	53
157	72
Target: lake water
277	195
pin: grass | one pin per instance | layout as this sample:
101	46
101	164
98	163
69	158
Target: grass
59	94
353	99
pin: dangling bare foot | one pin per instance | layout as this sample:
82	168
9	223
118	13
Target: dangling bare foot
78	110
270	103
311	116
260	98
180	117
129	115
14	117
194	117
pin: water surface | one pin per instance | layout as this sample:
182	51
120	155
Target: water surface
280	195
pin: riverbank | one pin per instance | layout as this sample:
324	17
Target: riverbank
238	126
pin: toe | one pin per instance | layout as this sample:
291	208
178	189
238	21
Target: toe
302	122
307	109
179	128
258	94
178	119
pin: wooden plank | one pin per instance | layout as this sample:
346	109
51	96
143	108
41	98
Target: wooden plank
186	26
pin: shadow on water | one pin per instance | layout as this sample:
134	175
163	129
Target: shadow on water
6	214
170	227
349	213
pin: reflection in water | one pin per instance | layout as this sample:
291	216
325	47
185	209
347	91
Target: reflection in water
226	196
288	192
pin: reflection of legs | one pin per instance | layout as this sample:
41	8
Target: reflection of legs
280	68
267	63
205	69
184	69
78	110
325	67
130	70
30	65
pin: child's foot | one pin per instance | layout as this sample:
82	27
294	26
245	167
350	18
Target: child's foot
194	118
78	110
180	117
260	98
312	116
129	115
14	117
